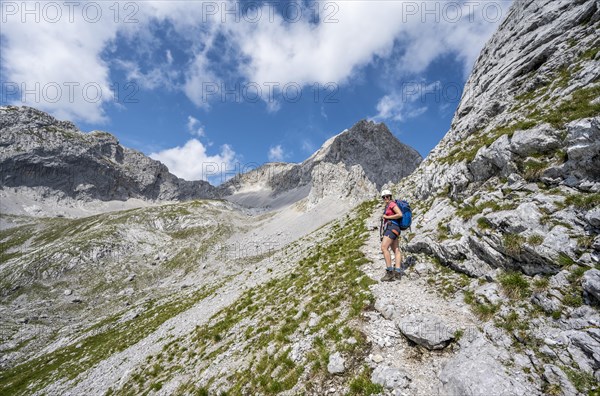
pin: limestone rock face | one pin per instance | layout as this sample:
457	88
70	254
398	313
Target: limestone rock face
517	103
41	152
511	193
591	283
372	146
514	183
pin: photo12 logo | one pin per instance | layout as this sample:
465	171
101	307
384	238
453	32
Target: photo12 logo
68	11
453	11
236	251
270	92
71	92
254	11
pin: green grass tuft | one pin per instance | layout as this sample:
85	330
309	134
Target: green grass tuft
512	322
483	311
583	201
585	242
580	106
564	260
533	169
515	285
541	284
513	244
484	224
535	240
362	385
582	380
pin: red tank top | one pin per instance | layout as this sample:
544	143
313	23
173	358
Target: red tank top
390	209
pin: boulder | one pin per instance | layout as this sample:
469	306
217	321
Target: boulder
390	377
489	291
385	307
547	304
337	364
527	216
591	283
583	142
426	330
588	343
593	217
540	139
489	160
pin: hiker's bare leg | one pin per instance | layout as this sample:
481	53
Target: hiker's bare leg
397	253
385	249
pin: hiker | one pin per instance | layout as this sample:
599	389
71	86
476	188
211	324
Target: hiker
391	234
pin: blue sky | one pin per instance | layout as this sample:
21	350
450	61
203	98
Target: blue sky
241	84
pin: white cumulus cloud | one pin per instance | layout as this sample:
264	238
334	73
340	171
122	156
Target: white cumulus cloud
409	101
192	162
55	63
348	36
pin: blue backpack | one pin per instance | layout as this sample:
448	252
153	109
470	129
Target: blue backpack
406	220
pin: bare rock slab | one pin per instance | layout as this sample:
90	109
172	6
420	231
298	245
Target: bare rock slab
477	369
426	330
591	283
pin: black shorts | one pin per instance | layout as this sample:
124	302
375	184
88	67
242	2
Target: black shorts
392	231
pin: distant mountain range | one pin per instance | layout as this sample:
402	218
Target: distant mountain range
41	152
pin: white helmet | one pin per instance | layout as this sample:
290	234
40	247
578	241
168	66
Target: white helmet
385	193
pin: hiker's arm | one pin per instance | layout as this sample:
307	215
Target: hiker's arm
396	216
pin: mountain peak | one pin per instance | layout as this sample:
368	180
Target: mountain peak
353	164
369	144
54	156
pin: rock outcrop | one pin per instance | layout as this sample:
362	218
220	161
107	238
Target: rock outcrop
426	330
478	370
514	184
41	152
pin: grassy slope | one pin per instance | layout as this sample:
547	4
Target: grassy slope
325	281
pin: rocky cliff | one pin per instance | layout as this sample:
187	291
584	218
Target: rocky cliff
522	155
510	197
41	152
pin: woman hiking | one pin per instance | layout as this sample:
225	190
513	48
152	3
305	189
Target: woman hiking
391	234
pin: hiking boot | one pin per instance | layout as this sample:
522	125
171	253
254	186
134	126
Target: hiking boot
388	277
398	275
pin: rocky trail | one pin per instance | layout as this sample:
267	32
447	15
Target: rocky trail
413	304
